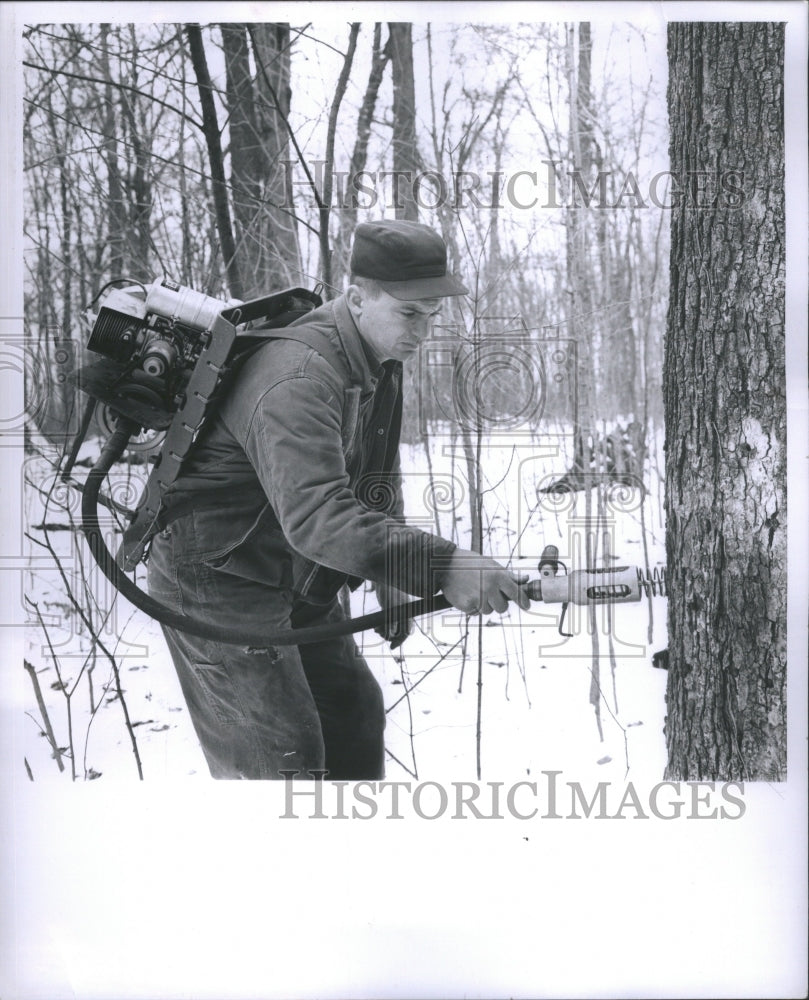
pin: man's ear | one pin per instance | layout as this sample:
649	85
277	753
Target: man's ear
355	298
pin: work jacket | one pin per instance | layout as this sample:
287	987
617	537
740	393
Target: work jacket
295	481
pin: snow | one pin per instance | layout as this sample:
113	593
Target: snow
535	709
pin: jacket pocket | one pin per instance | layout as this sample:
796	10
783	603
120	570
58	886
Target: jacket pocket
259	553
317	584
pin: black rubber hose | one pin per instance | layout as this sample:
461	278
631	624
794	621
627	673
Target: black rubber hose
110	453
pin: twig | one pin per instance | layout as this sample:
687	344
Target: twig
479	717
117	85
404	767
597	684
62	687
95	638
46	722
424	675
403	675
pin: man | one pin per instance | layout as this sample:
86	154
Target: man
279	504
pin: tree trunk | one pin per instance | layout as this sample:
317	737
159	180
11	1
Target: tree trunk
139	179
278	235
725	408
215	159
580	274
405	156
330	289
347	214
248	164
118	264
581	279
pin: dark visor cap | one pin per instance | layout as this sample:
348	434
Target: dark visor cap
408	260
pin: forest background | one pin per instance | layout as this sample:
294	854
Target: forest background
238	158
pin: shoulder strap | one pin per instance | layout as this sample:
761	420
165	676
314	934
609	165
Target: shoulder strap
319	342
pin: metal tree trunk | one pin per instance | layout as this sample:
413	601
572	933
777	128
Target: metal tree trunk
725	407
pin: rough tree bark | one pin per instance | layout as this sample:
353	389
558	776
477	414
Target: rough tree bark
258	108
725	409
581	280
248	159
270	233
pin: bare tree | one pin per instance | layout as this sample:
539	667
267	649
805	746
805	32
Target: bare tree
328	183
215	160
348	213
267	238
405	155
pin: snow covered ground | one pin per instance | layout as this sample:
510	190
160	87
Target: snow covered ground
535	686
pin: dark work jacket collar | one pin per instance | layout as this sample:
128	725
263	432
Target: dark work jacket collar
365	369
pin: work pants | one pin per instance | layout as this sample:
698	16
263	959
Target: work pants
260	710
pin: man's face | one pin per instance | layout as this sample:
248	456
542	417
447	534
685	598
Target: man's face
393	328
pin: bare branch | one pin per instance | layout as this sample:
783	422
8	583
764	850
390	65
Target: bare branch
118	86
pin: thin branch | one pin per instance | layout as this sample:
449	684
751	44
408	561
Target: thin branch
117	86
46	722
96	639
62	687
426	674
404	767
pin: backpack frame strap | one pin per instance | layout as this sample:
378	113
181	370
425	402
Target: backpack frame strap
319	343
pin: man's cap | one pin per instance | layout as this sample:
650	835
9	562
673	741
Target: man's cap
408	260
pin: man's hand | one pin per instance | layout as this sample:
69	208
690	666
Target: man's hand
476	584
393	632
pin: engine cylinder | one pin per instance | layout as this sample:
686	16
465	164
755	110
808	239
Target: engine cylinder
115	335
183	305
